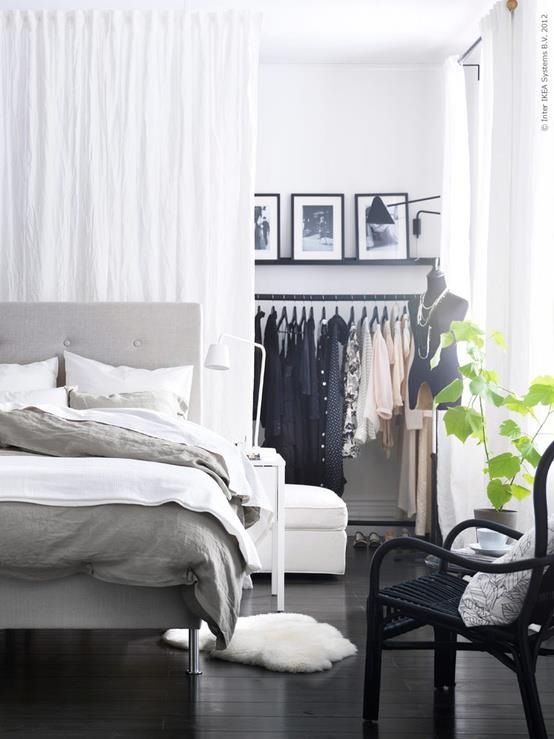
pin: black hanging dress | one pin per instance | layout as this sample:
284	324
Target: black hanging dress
333	477
309	401
287	443
272	399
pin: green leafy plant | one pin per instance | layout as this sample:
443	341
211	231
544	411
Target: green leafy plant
510	474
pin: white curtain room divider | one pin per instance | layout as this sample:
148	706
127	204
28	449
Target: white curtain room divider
512	257
127	152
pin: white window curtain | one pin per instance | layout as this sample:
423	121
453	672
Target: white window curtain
511	258
459	467
127	151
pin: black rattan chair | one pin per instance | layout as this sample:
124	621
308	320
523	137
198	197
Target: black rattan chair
433	600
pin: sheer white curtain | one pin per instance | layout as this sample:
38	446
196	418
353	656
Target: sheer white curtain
127	150
456	192
459	467
512	258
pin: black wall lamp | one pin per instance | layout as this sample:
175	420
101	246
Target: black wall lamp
416	222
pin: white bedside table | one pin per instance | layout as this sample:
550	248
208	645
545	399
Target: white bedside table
271	471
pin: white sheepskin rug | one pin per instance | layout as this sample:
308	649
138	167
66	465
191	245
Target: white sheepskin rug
281	642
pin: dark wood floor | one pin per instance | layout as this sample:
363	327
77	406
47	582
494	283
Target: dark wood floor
126	684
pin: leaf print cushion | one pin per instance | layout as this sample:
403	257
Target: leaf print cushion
496	600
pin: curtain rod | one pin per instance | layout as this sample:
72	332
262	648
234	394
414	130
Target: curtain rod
335	298
511	5
466	53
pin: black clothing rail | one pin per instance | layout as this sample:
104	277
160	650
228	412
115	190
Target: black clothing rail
350	297
334	297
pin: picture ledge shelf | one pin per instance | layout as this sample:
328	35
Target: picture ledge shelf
354	262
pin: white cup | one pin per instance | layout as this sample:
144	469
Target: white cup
489	539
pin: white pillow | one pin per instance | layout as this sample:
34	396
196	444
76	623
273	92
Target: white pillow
55	396
97	378
34	376
496	600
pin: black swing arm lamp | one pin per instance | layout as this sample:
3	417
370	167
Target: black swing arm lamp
416	222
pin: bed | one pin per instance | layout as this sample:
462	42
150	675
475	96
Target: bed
134	334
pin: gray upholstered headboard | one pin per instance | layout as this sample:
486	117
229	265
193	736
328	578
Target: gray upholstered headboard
147	335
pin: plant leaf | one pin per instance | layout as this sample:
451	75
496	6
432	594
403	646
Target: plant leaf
499	339
477	426
467	331
478	386
527	450
504	465
517	405
447	339
539	393
544	380
529	479
469	370
474	352
495	397
510	429
457	422
498	493
451	393
519	491
491	376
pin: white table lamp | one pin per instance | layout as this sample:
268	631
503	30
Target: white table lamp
218	358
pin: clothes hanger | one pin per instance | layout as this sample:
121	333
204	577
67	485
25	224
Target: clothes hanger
374	317
284	317
385	313
302	318
364	312
352	318
293	325
311	318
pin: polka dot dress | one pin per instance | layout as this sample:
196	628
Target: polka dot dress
333	470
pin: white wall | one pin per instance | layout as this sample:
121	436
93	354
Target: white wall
351	128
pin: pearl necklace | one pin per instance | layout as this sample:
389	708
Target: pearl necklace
425	320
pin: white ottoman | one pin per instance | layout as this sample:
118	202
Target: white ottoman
315	532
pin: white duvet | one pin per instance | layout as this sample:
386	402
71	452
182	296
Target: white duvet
85	481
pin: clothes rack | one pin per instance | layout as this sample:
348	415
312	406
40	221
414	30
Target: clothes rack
333	297
375	298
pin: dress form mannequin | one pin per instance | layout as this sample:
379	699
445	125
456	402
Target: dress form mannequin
447	308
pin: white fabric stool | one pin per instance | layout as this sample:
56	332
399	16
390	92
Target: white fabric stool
315	532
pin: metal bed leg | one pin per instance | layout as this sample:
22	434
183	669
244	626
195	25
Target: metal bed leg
194	653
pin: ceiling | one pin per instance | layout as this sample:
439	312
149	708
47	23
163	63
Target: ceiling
362	31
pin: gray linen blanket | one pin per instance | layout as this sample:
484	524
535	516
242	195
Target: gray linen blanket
162	545
157	546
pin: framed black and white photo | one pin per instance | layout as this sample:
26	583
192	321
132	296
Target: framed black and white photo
267	227
382	226
317	227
